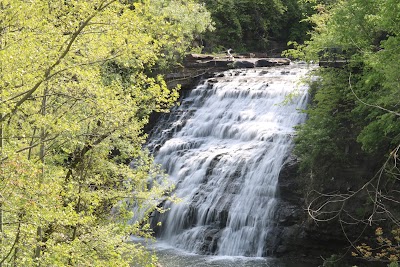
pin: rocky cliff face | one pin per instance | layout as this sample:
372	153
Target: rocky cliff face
299	236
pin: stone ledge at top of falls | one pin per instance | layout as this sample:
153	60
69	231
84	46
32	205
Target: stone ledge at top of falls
197	65
240	61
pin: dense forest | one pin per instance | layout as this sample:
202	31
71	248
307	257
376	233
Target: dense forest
352	136
251	25
79	80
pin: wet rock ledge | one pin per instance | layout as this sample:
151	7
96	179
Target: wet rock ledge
200	65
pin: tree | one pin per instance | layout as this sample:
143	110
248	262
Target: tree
367	32
77	85
249	25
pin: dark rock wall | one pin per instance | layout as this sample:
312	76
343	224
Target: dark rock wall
302	237
299	234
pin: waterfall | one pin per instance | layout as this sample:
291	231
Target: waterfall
224	148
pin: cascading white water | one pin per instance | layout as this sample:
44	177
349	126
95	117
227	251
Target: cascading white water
234	136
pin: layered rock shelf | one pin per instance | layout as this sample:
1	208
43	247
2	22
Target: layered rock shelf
198	65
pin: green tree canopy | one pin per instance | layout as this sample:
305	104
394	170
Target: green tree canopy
253	25
77	84
369	32
354	119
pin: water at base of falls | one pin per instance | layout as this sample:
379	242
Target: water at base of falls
171	257
224	150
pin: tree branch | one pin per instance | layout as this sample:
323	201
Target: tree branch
47	74
370	105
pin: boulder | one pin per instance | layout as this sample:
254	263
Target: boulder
265	63
243	64
194	57
270	62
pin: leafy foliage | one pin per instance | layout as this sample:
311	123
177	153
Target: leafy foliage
326	140
370	79
387	247
250	25
77	86
365	96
